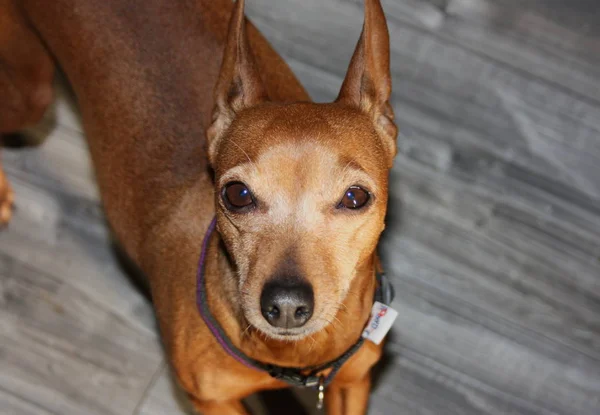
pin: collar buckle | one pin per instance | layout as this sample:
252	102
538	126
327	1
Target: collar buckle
293	376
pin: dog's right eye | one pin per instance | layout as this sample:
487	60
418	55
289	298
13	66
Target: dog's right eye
237	196
355	198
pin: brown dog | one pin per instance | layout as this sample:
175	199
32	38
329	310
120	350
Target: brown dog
299	190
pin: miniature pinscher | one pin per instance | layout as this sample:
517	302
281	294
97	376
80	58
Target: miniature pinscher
254	212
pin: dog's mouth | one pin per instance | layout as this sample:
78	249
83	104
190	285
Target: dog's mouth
285	334
288	335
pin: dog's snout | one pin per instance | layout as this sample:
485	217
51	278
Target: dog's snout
287	303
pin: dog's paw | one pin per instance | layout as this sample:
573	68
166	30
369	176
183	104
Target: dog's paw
7	197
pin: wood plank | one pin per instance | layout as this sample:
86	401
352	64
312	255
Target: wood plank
419	385
64	353
20	405
552	41
165	397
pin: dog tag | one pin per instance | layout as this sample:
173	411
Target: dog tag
321	393
382	319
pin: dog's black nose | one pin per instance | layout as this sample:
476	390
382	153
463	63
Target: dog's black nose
287	303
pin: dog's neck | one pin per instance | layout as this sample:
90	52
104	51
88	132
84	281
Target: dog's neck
318	348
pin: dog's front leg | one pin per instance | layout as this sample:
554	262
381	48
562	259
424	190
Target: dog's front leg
348	399
6	198
219	407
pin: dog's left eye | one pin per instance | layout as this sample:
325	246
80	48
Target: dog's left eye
355	198
237	196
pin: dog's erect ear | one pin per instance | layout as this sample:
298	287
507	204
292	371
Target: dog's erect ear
368	83
239	85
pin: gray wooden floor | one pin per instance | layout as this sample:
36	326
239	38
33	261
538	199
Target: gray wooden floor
493	236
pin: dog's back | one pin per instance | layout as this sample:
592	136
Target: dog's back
143	72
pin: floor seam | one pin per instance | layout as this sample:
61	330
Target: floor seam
151	383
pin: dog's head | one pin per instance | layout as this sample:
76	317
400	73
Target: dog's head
301	188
